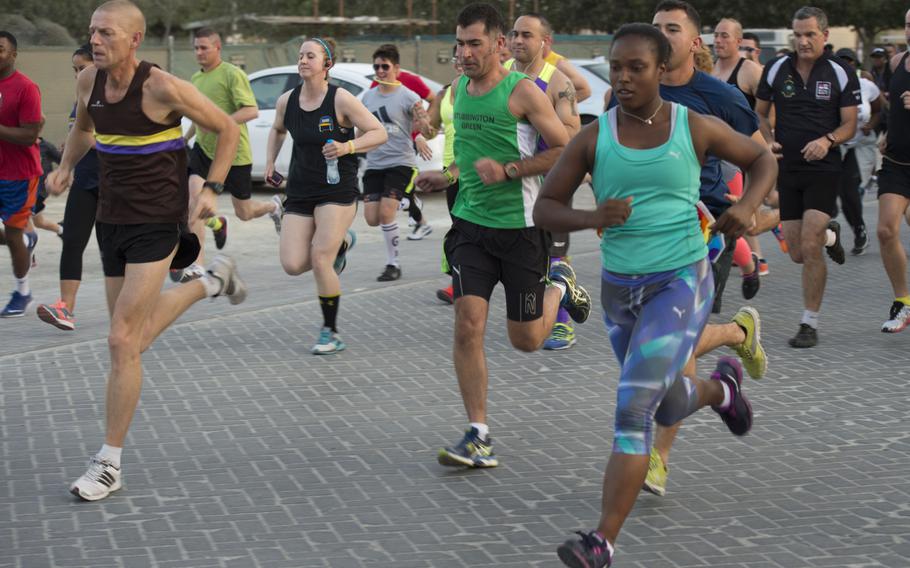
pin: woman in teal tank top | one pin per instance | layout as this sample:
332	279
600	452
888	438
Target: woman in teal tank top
645	158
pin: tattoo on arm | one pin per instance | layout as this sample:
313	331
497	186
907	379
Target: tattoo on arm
569	95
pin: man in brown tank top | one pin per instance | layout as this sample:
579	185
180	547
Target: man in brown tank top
134	109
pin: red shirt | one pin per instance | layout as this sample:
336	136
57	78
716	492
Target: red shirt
20	103
413	82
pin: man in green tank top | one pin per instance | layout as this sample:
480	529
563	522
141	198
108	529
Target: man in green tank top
498	115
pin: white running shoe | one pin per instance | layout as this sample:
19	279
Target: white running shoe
192	272
101	479
276	213
224	269
899	318
419	232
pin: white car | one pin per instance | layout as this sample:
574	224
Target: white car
269	84
597	72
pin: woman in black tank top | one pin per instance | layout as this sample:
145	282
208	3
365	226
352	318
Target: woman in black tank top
315	232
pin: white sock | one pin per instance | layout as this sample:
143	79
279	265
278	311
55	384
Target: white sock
212	285
810	318
830	238
391	234
59	229
482	429
562	288
111	454
22	286
728	396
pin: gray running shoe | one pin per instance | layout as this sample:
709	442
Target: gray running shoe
224	269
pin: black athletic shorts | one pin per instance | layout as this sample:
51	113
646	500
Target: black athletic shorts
801	191
480	257
305	206
894	178
239	181
392	182
135	244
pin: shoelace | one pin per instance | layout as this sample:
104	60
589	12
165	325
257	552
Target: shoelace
96	468
325	336
560	331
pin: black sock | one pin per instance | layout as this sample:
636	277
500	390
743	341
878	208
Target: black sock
329	305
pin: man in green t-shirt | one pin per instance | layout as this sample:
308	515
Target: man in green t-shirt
229	88
497	115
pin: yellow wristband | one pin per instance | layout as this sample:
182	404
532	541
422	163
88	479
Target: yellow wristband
352	149
449	177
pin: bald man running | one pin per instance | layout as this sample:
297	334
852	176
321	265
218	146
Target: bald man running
134	110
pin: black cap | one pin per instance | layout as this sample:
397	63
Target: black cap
879	52
846	53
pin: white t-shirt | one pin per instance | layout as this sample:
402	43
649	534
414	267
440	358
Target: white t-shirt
869	92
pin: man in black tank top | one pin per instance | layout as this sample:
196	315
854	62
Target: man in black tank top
134	110
730	66
894	188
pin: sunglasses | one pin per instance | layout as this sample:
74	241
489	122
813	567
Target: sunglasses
383	66
748	49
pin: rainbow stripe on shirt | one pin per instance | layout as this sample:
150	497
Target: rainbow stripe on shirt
164	141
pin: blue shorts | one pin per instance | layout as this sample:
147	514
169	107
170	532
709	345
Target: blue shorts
17	198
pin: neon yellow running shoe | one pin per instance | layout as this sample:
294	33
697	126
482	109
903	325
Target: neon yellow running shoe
656	482
750	351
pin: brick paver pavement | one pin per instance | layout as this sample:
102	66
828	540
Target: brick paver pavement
248	451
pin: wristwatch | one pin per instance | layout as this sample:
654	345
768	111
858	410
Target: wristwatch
511	170
831	138
214	186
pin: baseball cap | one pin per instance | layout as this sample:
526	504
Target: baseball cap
879	51
846	53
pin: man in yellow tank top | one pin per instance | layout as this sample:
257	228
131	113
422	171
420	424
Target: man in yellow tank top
582	88
527	41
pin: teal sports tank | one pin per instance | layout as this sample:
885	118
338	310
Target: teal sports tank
663	231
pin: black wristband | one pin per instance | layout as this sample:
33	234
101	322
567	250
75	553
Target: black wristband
214	186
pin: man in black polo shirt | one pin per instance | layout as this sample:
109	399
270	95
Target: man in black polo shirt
816	98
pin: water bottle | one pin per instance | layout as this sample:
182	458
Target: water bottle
331	168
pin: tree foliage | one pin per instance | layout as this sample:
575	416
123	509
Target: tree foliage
567	16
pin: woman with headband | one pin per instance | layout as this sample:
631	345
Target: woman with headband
315	232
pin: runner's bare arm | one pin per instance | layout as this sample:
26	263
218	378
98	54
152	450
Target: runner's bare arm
420	121
277	135
80	139
564	101
182	98
715	137
582	88
763	110
553	211
750	75
245	114
530	103
370	132
434	110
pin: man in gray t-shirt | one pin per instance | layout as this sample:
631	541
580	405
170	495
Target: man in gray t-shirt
391	168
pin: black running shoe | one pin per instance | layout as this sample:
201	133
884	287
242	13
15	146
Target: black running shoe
221	234
751	281
471	451
738	416
389	274
576	301
806	337
836	251
860	243
586	551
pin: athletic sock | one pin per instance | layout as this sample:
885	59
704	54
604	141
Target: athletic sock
391	234
213	223
329	305
562	316
603	541
810	318
562	288
59	230
22	286
212	283
830	238
483	431
905	300
111	454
